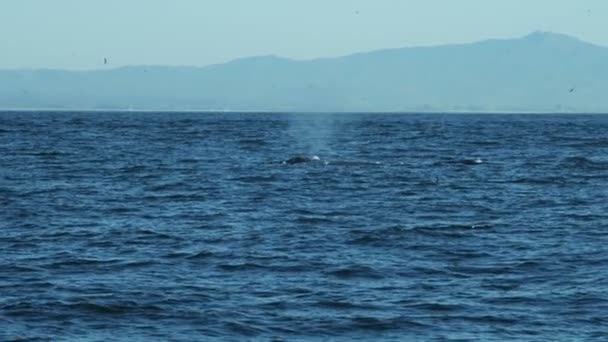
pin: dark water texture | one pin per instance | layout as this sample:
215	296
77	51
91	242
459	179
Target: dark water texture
166	226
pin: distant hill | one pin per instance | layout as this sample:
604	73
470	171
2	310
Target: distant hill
542	71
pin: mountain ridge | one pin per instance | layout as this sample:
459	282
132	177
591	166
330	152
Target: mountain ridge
541	71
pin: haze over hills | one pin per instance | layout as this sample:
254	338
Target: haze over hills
542	71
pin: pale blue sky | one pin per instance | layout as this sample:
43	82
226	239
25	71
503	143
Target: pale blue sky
78	34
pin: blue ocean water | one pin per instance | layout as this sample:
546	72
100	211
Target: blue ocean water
407	227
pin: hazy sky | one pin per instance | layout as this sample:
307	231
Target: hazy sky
78	34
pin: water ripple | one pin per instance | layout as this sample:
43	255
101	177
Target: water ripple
169	226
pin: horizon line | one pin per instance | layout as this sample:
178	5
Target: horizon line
253	111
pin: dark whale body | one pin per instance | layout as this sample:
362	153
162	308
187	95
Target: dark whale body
471	161
300	159
297	160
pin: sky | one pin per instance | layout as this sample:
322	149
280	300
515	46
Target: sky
79	34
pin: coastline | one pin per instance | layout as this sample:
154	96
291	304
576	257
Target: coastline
269	111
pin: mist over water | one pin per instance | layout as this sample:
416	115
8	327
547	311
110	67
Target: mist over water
312	133
182	227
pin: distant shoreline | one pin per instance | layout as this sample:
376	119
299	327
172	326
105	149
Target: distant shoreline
214	111
540	73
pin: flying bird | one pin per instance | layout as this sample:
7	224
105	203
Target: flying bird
105	61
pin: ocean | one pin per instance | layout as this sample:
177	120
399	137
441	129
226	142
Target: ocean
303	227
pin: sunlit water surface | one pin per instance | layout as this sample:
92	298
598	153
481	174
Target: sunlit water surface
165	226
